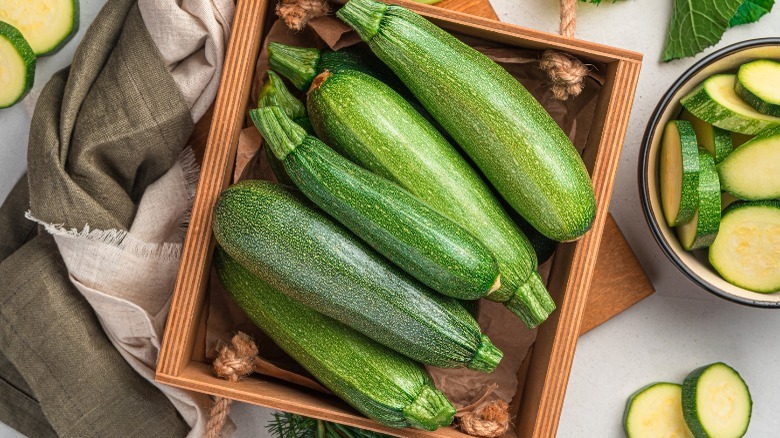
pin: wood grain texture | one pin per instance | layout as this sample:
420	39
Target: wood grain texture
573	267
619	281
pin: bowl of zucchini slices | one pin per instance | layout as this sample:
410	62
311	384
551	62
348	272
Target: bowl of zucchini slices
709	173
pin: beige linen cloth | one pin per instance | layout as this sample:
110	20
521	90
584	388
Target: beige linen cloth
128	276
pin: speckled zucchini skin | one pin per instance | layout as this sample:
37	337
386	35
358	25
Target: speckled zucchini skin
424	243
707	215
13	36
373	379
370	124
280	236
501	126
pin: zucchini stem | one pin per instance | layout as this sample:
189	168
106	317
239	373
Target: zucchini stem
429	410
487	356
531	302
298	64
278	130
275	93
364	16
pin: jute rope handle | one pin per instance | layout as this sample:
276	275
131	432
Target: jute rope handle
482	418
235	361
566	73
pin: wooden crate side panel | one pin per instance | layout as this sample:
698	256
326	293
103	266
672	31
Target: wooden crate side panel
556	340
230	107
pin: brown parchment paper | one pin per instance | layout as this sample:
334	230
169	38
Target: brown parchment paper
506	331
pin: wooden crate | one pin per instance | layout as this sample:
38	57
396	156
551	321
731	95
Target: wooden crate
546	371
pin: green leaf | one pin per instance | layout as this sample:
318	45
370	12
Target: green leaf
751	11
696	25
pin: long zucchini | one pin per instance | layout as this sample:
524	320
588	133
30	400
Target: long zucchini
373	379
427	245
507	133
372	125
280	236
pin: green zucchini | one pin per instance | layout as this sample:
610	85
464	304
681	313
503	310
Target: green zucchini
46	24
380	383
718	142
716	102
655	411
427	245
757	85
302	64
678	172
746	251
372	125
543	246
280	236
507	133
752	171
275	93
17	65
716	402
701	230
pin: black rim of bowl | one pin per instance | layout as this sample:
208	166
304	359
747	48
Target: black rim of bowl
644	194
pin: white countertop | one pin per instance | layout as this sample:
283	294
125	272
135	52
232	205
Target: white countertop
663	337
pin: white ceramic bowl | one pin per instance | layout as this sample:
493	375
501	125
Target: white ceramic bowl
694	264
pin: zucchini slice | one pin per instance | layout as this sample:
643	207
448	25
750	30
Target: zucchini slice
679	172
700	232
746	252
752	172
46	24
757	85
716	402
656	411
17	65
717	141
716	102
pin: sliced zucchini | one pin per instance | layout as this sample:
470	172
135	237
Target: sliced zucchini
679	172
700	232
716	402
757	84
746	252
656	411
716	102
752	171
717	141
17	65
46	24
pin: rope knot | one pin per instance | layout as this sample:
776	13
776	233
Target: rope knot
297	13
566	73
237	358
489	420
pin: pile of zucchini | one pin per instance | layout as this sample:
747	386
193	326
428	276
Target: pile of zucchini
719	174
29	29
712	402
368	258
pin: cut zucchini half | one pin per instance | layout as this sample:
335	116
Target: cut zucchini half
46	24
716	102
656	411
17	65
700	232
757	84
717	141
716	402
746	252
752	171
679	172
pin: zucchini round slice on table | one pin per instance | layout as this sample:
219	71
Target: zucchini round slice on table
718	142
17	65
656	411
746	251
701	230
752	171
716	102
679	172
757	84
46	24
716	402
